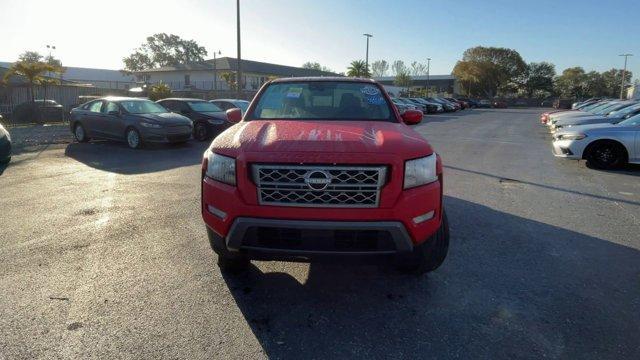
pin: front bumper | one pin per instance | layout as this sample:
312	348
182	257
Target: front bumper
167	135
570	149
233	213
306	238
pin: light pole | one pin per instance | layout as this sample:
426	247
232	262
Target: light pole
215	70
51	48
624	73
367	56
428	68
239	70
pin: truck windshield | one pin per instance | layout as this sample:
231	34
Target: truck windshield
323	100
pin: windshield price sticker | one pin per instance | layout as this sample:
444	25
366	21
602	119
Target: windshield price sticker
294	93
370	90
375	100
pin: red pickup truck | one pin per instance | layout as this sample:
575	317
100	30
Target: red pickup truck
324	168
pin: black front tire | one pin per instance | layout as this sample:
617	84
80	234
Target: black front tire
133	138
201	131
606	155
429	255
233	262
80	133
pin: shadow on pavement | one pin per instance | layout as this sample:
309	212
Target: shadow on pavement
628	169
117	157
549	187
511	287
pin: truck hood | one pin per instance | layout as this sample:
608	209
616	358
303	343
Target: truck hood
317	136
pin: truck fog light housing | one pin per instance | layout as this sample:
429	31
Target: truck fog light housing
424	217
217	212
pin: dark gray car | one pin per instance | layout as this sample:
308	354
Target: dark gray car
208	119
135	121
5	145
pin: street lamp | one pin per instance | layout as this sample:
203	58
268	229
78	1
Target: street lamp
367	57
239	70
215	70
624	73
51	48
428	68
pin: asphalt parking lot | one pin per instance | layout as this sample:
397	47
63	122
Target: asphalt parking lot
104	254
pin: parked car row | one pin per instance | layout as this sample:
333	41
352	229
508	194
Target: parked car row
137	121
431	105
605	132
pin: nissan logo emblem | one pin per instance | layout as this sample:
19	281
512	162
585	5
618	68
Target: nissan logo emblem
317	180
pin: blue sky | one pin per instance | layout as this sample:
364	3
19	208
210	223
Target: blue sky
584	33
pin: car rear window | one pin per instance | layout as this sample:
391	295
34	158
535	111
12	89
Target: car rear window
323	100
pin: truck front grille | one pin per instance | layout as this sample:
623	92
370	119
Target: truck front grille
319	186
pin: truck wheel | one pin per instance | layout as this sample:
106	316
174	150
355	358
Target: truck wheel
429	255
227	260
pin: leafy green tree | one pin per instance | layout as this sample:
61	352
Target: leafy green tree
33	72
594	84
358	68
49	59
538	79
379	68
315	66
30	57
612	80
572	83
402	80
159	91
33	57
230	79
164	50
488	70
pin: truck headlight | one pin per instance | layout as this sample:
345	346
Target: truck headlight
221	168
420	171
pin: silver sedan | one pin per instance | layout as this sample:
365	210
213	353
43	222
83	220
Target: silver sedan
604	146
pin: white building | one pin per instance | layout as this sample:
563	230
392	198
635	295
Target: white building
208	75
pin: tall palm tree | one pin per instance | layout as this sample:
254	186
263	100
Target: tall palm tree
358	68
33	72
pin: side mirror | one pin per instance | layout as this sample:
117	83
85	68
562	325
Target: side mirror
412	117
234	115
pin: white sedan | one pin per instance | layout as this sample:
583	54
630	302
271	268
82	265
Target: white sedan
604	146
